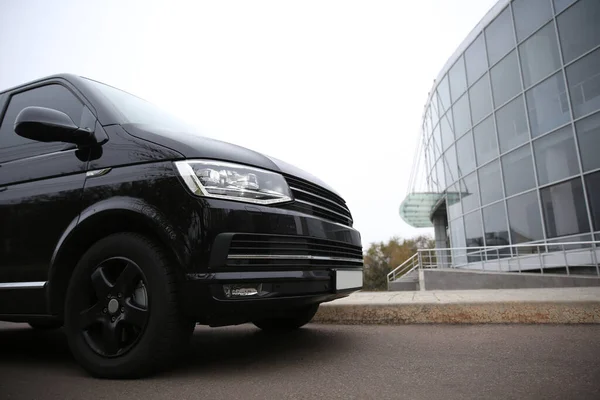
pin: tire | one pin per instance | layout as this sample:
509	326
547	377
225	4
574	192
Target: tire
45	325
121	313
296	319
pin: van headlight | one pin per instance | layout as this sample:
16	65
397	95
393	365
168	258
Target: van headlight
230	181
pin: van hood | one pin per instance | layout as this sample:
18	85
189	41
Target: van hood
191	146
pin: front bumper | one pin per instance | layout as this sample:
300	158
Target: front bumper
283	291
293	256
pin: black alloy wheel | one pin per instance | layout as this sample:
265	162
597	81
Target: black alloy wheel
118	313
122	313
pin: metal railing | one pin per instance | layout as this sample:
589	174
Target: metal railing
568	258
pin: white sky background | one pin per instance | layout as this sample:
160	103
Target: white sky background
335	87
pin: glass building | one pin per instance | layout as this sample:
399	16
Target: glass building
511	131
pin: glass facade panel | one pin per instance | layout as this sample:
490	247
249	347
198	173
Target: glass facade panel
447	131
529	139
458	79
466	154
517	167
441	177
506	82
499	36
560	5
469	193
480	99
583	78
473	231
530	15
475	60
512	125
435	114
592	182
555	156
457	239
453	202
494	225
579	29
444	95
437	141
588	136
564	209
547	105
486	145
490	184
462	116
451	166
524	218
539	55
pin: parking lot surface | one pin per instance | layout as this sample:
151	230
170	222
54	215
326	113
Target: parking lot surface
329	362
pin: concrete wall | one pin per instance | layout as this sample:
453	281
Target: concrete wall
451	279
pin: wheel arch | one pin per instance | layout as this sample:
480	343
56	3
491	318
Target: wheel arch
114	215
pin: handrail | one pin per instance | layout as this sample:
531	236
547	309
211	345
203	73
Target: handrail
407	266
505	257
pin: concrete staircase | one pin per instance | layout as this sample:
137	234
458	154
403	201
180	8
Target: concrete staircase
408	282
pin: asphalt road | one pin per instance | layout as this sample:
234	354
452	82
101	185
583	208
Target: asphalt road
329	362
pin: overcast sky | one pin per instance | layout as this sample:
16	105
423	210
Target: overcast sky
334	87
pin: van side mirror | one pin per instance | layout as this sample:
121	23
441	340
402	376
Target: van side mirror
48	125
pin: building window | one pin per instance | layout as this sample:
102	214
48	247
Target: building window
588	136
564	209
555	156
560	5
547	105
458	79
443	95
512	125
530	15
437	141
457	239
583	78
453	201
506	82
490	184
494	224
473	232
518	171
475	59
451	166
486	144
466	154
469	193
447	131
579	29
440	173
539	55
462	118
499	36
480	98
435	114
524	218
592	182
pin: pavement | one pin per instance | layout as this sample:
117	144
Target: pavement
540	306
329	362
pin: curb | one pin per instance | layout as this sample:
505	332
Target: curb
556	312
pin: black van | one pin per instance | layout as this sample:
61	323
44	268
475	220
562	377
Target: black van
127	229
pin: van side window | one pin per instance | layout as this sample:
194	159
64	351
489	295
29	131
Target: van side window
13	146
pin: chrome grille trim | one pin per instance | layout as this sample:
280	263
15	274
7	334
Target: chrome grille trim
293	188
322	208
312	199
291	257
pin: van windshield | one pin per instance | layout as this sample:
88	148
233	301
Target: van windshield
139	111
